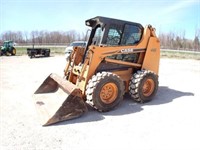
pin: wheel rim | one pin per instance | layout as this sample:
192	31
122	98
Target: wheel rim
148	87
108	93
14	51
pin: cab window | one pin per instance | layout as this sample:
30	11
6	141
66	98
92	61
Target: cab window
97	36
132	35
114	35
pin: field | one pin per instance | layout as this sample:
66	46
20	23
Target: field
21	50
170	121
180	54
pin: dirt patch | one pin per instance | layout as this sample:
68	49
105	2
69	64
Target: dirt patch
170	121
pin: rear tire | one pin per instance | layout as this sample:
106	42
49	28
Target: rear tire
143	86
7	53
47	54
104	91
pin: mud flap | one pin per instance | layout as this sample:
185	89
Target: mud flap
57	100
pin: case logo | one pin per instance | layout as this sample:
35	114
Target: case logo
128	50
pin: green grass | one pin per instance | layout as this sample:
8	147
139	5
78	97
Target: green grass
180	54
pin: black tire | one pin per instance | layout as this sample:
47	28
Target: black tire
104	91
7	53
46	54
33	54
143	86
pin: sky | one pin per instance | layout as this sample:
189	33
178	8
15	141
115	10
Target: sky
178	16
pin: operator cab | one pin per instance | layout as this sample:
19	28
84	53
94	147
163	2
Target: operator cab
113	32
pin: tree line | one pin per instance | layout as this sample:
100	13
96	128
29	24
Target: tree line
170	40
42	37
177	41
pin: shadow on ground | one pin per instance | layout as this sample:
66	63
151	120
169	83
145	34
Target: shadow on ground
166	95
41	56
128	106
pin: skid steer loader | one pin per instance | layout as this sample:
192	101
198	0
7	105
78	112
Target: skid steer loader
120	57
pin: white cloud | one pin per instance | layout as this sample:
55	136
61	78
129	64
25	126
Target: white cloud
179	5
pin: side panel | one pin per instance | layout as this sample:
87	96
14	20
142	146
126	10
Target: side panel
152	56
125	76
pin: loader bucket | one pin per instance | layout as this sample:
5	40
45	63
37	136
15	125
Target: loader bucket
57	100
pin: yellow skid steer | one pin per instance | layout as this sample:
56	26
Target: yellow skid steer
120	57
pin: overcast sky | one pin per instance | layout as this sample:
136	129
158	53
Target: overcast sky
63	15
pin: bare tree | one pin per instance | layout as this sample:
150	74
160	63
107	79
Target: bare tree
196	42
25	36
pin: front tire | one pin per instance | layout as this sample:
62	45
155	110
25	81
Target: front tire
143	86
104	91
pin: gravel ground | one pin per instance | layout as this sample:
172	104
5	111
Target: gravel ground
170	121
